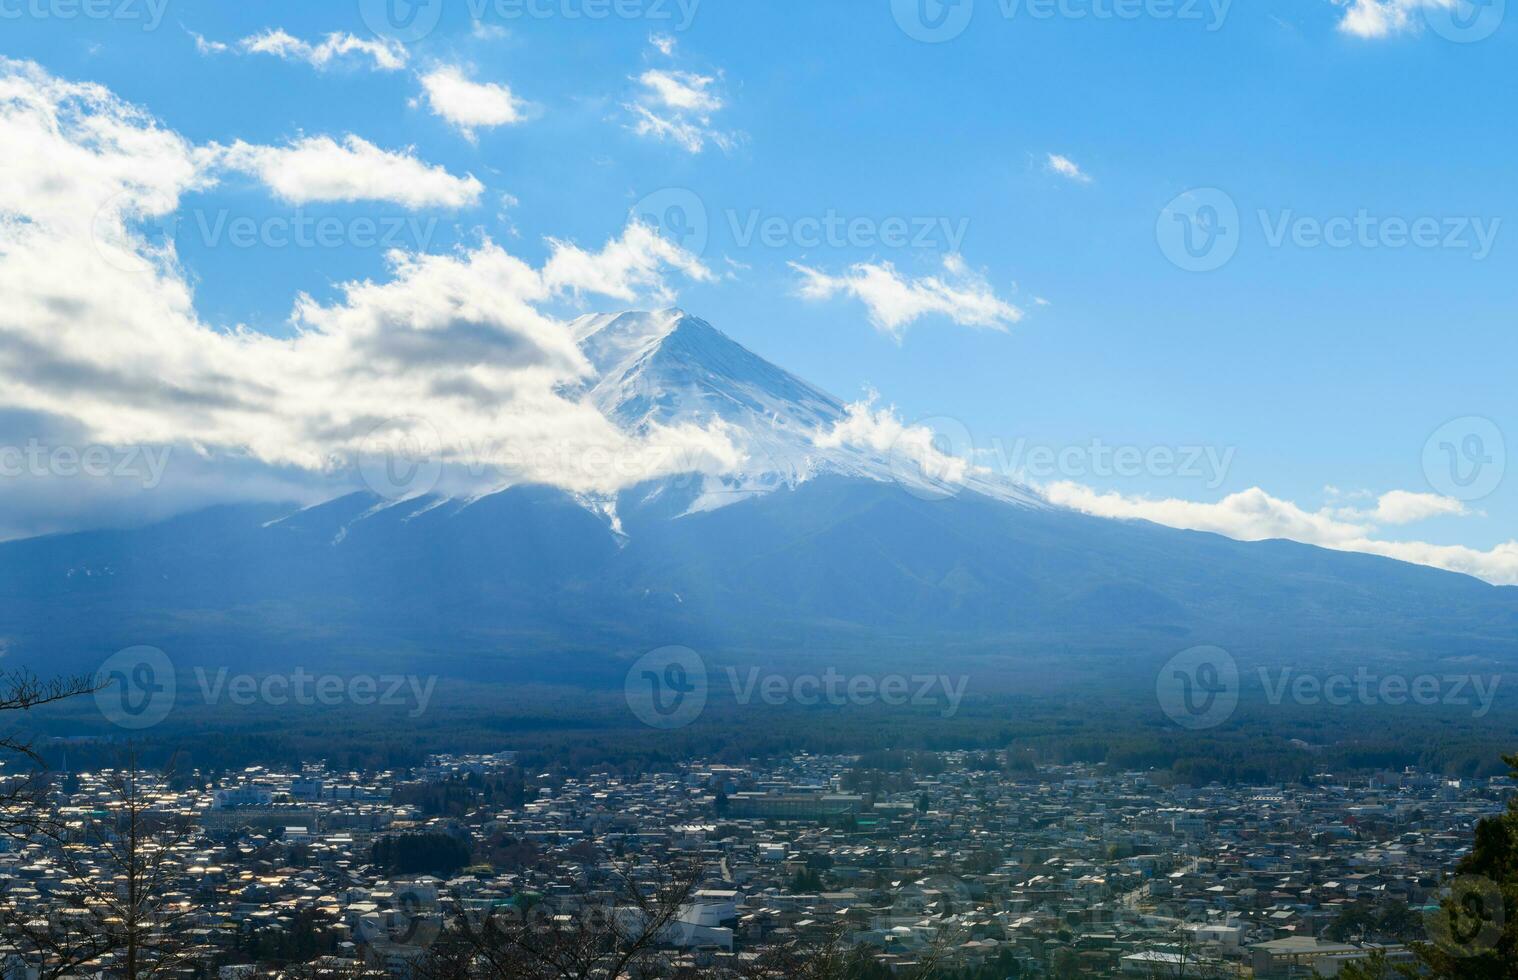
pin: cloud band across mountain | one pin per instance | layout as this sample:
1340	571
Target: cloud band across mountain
100	331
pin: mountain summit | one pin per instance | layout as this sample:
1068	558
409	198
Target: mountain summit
669	367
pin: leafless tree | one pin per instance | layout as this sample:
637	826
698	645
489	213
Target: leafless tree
618	927
23	794
119	870
1189	963
321	968
832	958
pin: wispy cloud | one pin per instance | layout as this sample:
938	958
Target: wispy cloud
678	106
318	168
896	301
1067	168
624	269
334	49
1254	515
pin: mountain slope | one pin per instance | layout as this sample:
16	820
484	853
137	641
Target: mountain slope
838	568
818	549
668	367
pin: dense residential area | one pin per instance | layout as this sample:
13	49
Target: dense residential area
949	864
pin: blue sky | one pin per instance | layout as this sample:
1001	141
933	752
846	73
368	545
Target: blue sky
1048	156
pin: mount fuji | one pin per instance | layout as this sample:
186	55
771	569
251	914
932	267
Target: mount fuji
819	546
669	367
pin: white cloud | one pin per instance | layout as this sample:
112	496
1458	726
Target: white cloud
911	447
663	43
1375	19
470	105
1067	168
1407	507
334	49
624	268
205	46
678	106
896	301
681	91
1254	515
318	168
1249	515
99	333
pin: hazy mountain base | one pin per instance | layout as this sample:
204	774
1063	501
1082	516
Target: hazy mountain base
531	585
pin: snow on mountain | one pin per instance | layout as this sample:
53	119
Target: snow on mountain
668	367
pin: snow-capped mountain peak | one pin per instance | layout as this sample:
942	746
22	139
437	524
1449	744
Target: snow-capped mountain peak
668	367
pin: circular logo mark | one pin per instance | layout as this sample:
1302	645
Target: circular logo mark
666	688
1465	458
401	458
1198	231
406	21
418	918
1199	688
931	458
932	21
135	687
1469	919
140	252
678	215
1465	21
